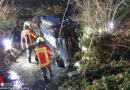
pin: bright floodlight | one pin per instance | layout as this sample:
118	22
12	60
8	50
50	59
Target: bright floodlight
111	25
7	44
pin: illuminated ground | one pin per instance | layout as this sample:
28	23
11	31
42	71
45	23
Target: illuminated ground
25	75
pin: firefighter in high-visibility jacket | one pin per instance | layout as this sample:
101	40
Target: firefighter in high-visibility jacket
28	41
42	57
31	25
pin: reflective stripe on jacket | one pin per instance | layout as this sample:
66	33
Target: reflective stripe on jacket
42	54
28	37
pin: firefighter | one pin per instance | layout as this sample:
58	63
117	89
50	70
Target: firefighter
28	41
32	26
42	57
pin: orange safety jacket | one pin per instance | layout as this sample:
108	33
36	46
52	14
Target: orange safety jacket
42	55
28	37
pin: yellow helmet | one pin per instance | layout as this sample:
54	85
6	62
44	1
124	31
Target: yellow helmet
40	39
27	24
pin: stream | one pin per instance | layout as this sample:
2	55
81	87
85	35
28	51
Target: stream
29	76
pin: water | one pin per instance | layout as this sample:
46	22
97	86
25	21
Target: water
17	81
23	75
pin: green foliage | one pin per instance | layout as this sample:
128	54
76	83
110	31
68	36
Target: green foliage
105	73
113	76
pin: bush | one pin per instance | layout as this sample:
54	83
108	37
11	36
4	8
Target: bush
112	46
113	76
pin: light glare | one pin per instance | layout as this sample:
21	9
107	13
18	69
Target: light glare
111	25
7	44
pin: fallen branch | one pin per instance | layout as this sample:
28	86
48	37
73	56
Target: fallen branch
64	17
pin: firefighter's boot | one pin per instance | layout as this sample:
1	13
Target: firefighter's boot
46	79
